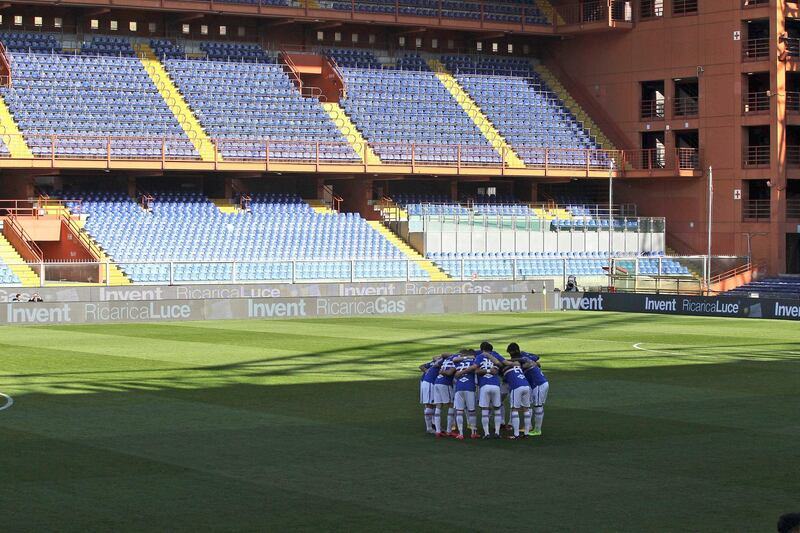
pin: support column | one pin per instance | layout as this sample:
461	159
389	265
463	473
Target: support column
777	225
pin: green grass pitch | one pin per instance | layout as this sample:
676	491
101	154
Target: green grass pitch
315	425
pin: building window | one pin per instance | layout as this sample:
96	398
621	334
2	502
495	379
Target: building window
650	9
337	36
434	43
320	36
113	25
185	29
526	49
223	30
371	38
37	21
240	31
495	47
684	7
133	26
401	41
57	22
17	20
451	44
354	38
94	24
151	27
479	46
418	42
203	29
510	48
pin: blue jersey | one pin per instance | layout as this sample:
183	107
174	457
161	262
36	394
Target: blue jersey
485	363
532	357
431	371
515	378
467	381
441	379
534	374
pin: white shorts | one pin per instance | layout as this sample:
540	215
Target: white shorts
442	393
539	394
425	392
490	397
465	399
520	397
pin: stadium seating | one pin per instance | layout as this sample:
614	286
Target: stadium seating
7	277
188	229
93	96
524	110
394	109
30	42
251	102
778	287
510	12
545	264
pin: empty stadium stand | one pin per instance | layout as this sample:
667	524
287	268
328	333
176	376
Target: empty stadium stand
776	286
102	92
548	264
203	243
250	102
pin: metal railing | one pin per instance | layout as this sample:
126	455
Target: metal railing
268	153
793	155
469	222
755	49
756	156
594	11
755	102
793	208
662	159
509	267
684	7
651	109
792	46
687	106
651	9
793	101
756	210
754	3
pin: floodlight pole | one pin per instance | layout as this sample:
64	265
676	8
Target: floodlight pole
610	221
710	211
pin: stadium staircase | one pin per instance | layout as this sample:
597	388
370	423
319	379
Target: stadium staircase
225	206
17	146
428	266
512	160
547	8
320	207
177	104
351	133
14	261
574	107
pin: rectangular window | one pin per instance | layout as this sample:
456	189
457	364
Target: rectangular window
451	44
526	49
684	7
113	26
185	29
37	21
337	36
401	41
479	46
58	22
223	30
354	38
418	42
203	29
17	20
371	38
240	31
151	27
434	43
320	36
510	48
133	25
495	47
94	24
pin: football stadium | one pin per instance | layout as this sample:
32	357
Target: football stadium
408	265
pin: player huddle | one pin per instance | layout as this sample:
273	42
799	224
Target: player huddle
451	382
